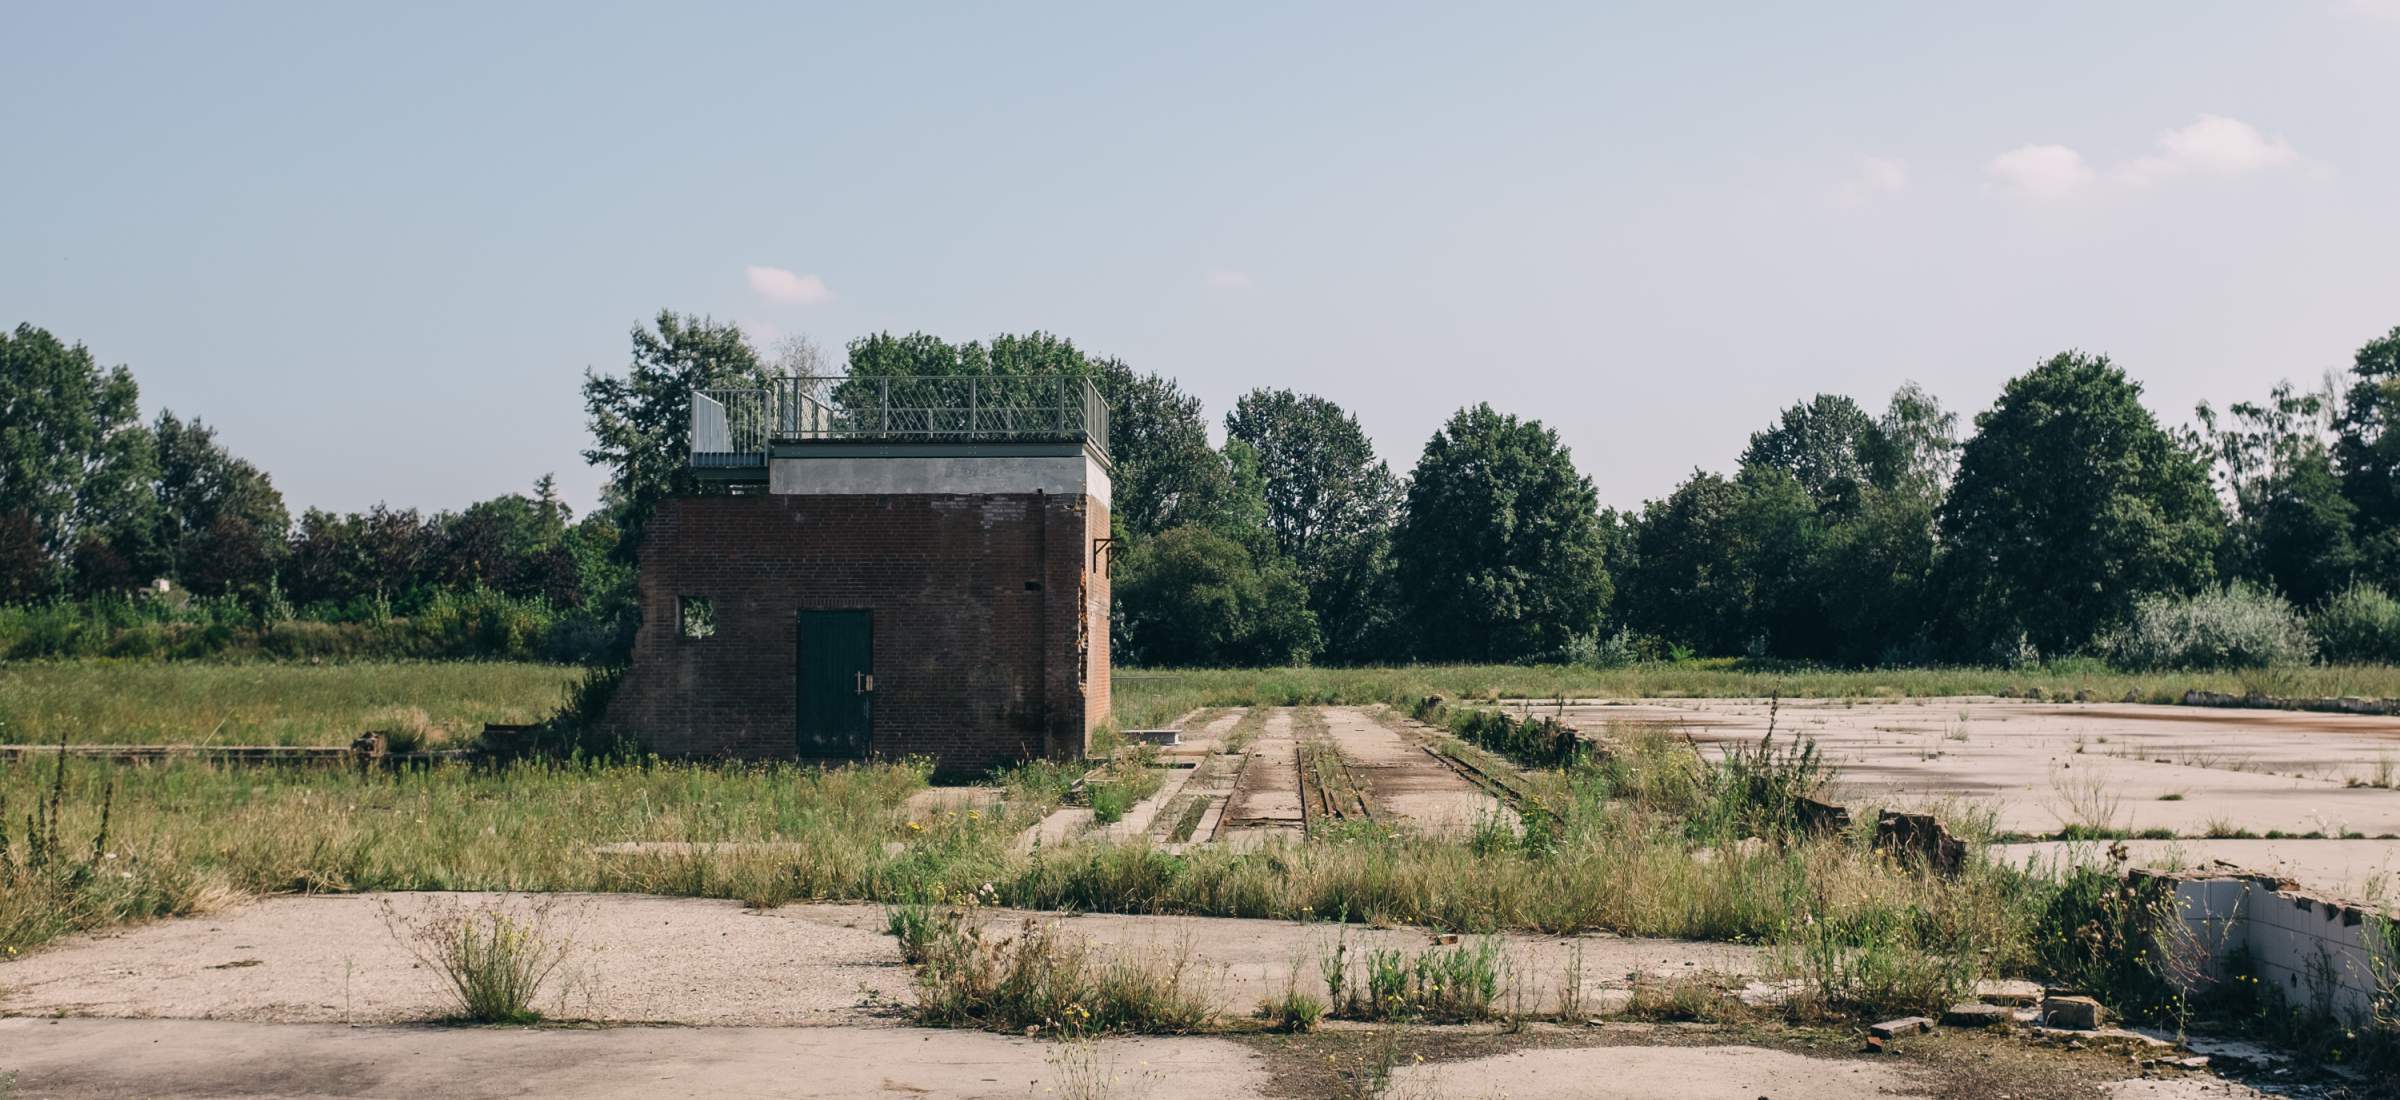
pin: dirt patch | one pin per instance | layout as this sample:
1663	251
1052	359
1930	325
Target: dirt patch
1697	1061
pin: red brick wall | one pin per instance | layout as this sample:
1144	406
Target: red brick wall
961	644
1096	697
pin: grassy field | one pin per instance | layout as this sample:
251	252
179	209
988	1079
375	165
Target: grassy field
145	702
1617	852
1646	841
133	702
1146	697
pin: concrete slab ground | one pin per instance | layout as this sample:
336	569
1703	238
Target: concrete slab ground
1640	1073
1265	803
698	961
73	1059
2360	870
633	959
1405	782
2043	766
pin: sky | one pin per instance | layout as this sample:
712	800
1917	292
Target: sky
379	245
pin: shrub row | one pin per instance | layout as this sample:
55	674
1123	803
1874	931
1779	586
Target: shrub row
476	623
2242	626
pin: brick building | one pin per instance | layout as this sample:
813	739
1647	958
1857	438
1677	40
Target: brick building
895	567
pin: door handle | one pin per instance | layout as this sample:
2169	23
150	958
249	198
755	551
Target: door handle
862	682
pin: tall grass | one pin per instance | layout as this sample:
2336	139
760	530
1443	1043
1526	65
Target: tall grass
142	702
147	702
494	960
1043	980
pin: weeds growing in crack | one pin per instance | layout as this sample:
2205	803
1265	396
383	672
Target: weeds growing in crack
494	959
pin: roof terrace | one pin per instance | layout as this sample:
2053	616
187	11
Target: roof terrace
733	431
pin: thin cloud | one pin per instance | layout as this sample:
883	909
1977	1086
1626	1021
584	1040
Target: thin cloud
786	287
1228	280
1875	178
2387	11
2213	145
2046	172
2209	146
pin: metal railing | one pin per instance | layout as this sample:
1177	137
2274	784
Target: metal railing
733	427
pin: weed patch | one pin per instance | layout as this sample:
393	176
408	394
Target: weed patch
493	960
1041	981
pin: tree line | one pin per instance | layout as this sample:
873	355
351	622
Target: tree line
98	507
2065	519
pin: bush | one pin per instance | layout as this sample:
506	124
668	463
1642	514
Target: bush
2358	625
2237	626
2117	938
1293	1013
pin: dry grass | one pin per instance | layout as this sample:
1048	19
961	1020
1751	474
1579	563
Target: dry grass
1042	981
494	958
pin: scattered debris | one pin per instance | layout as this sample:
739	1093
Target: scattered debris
2016	993
1900	1028
2073	1013
1921	837
1977	1014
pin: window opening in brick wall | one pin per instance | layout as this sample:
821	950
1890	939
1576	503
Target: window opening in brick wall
697	615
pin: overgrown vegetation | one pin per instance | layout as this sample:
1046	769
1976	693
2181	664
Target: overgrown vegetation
1461	983
2359	625
1647	838
140	703
2236	626
1040	980
494	960
468	623
1155	697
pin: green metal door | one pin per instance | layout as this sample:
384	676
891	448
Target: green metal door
837	682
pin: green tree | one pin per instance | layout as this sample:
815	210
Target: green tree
221	522
2299	528
2071	504
1778	548
1685	584
75	468
1500	550
641	420
1915	445
1329	504
512	544
1874	577
2366	453
1193	596
1167	475
340	559
1827	444
2292	527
